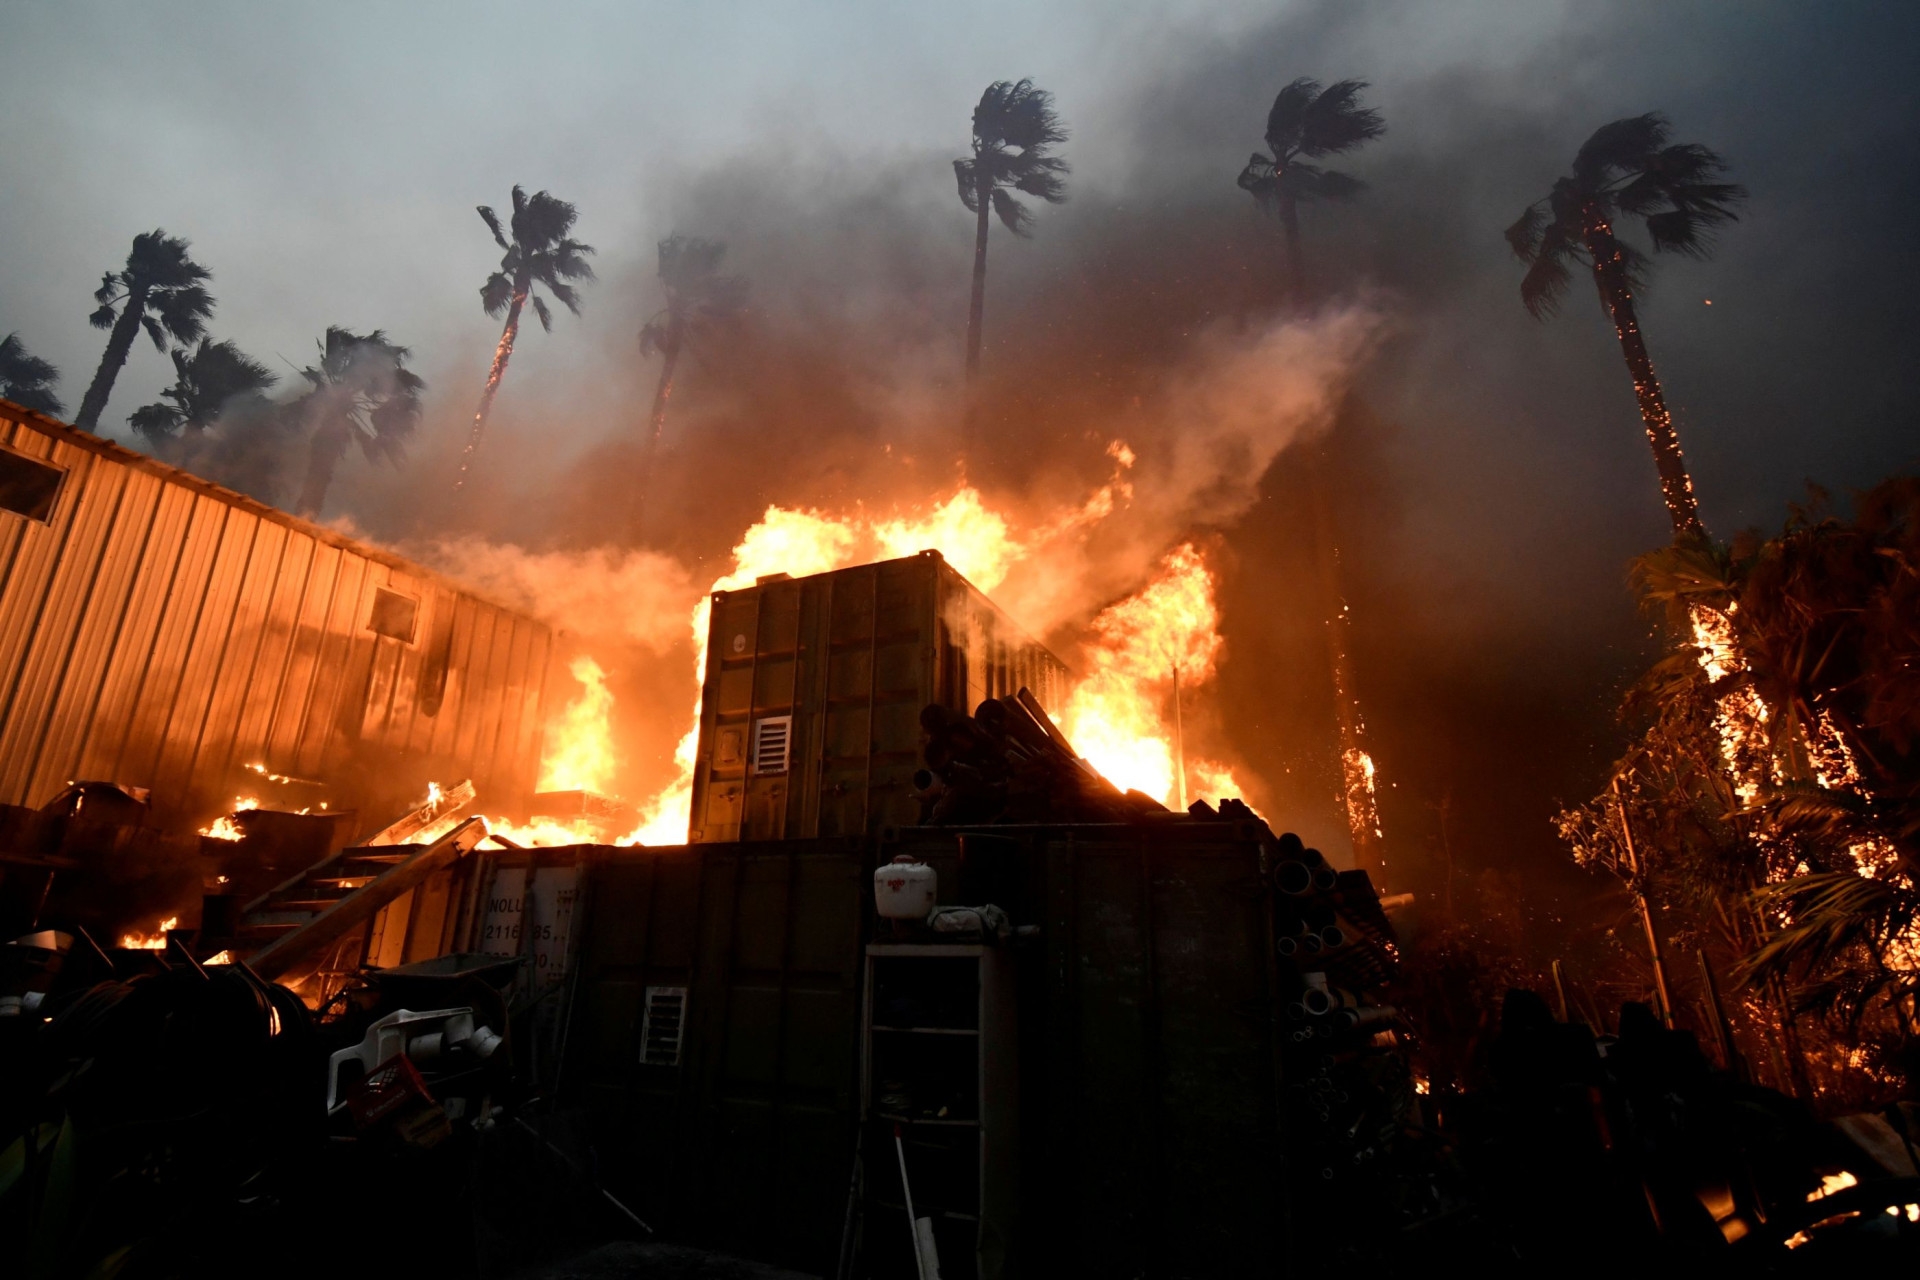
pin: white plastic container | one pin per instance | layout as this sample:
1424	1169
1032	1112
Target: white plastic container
905	889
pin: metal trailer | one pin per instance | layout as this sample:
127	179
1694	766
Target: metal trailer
159	631
714	1040
810	712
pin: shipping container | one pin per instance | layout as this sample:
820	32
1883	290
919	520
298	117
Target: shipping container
159	631
810	711
714	1042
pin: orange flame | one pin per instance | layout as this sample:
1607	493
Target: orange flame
224	827
1120	716
580	755
155	941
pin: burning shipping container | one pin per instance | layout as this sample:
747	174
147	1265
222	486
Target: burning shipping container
161	632
814	688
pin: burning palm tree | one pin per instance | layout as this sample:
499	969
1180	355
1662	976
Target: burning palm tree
160	290
539	252
362	391
206	382
1628	169
698	298
1305	124
1014	128
26	379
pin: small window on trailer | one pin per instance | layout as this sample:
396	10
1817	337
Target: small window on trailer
28	486
663	1026
772	744
394	615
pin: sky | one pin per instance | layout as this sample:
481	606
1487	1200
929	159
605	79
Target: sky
1490	478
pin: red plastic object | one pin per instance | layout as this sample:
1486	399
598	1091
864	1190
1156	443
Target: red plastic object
391	1087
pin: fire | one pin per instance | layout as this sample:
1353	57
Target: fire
580	754
1146	653
155	941
219	957
224	827
1124	717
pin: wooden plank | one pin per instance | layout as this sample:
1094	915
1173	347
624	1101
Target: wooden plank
361	905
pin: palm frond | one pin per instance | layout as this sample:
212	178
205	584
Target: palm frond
109	290
568	296
1524	235
1334	122
496	294
493	224
26	379
1620	146
1016	114
1287	118
1013	214
183	310
963	173
1311	182
1041	176
1545	283
155	332
540	309
155	421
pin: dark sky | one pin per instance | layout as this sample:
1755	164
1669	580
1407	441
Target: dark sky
1490	475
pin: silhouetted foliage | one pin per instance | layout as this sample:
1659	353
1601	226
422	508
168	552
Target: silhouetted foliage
698	299
1015	130
207	381
26	379
360	392
538	252
1628	169
1308	123
161	290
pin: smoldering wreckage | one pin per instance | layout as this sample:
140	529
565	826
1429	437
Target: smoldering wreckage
922	993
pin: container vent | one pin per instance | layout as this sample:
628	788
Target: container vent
394	615
772	744
663	1026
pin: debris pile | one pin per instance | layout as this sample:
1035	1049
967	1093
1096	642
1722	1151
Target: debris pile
1008	762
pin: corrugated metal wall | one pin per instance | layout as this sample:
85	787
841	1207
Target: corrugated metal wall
160	631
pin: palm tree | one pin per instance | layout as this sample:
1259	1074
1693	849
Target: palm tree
1307	123
1014	128
27	380
698	298
207	382
160	290
361	391
538	253
1628	169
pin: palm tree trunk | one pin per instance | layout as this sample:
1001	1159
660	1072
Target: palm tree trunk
1616	294
1356	766
976	317
328	446
1290	228
977	309
119	345
501	354
656	426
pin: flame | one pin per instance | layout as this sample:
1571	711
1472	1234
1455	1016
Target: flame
224	827
1832	1182
155	941
580	755
1121	715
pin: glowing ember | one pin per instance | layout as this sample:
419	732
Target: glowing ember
155	941
1145	649
219	957
1832	1182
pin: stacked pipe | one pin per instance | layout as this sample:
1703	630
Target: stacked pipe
1008	762
1348	1083
1330	919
